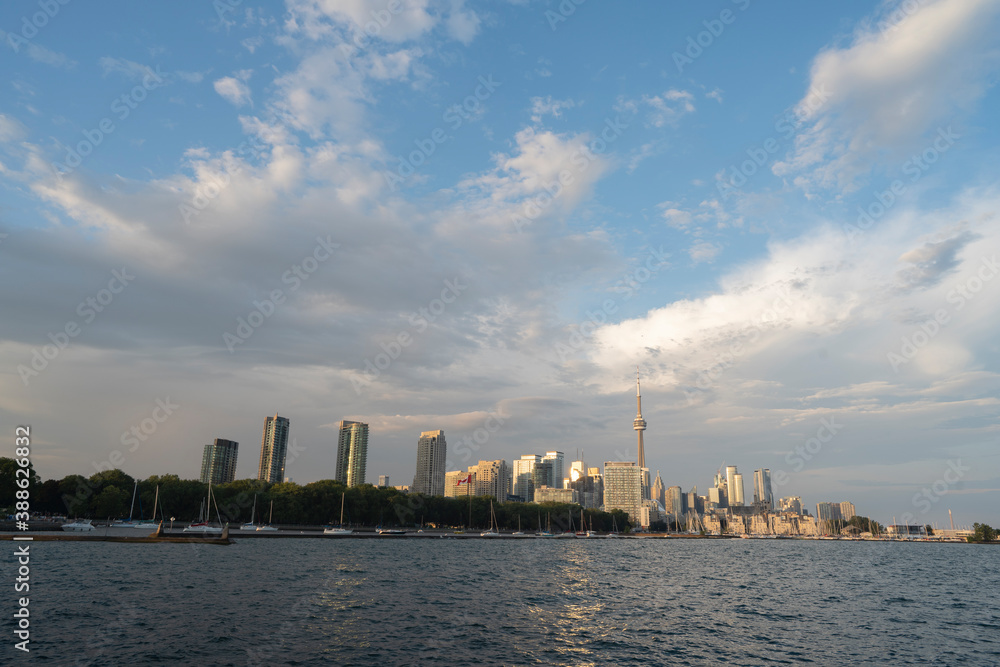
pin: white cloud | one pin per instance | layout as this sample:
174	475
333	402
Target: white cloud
234	90
704	251
546	106
11	129
892	89
463	24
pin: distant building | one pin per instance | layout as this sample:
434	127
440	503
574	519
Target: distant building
492	478
218	462
847	511
738	498
352	452
546	494
828	511
762	495
623	488
906	531
675	502
524	475
431	453
273	447
383	480
555	479
659	491
588	487
791	504
459	484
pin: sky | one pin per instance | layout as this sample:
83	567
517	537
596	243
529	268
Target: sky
483	217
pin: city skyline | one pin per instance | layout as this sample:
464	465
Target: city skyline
481	219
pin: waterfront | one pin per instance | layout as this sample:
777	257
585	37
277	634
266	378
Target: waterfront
573	602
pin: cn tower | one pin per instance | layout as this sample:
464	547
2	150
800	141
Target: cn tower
639	424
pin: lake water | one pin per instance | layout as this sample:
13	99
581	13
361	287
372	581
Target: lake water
506	602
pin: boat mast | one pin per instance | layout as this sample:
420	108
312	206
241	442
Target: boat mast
342	496
134	489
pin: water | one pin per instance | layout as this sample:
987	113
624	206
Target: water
506	602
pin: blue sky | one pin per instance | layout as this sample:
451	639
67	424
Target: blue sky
568	191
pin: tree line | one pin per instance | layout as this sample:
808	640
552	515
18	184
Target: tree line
108	495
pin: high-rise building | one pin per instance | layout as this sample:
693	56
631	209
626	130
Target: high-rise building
383	480
218	462
791	504
273	446
734	486
352	452
492	478
762	494
738	481
623	488
524	476
639	424
847	511
459	484
675	502
587	486
556	475
828	511
658	493
545	494
431	453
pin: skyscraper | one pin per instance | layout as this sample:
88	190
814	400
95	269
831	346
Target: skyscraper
639	424
458	483
659	491
734	486
273	446
492	478
847	511
431	453
352	452
738	482
623	488
762	494
556	480
675	502
524	476
218	462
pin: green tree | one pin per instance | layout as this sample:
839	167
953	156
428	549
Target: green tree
8	482
111	502
982	533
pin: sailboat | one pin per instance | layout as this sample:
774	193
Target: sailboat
583	527
492	532
140	523
614	528
339	530
152	521
269	517
201	526
519	533
253	513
